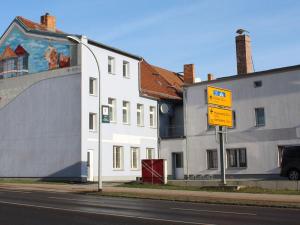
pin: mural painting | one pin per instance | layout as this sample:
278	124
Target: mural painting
21	55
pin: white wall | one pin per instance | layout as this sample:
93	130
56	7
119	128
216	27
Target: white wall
279	96
40	125
120	88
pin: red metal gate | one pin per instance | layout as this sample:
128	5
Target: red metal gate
153	171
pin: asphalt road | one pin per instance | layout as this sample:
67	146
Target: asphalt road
35	208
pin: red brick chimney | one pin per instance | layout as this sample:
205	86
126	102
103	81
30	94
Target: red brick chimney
210	76
49	21
243	54
189	73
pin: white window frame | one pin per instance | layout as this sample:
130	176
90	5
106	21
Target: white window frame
208	159
127	109
140	113
152	116
279	155
113	108
118	165
257	118
148	150
111	63
94	86
126	71
238	166
137	159
93	116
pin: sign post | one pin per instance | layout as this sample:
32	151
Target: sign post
222	158
220	114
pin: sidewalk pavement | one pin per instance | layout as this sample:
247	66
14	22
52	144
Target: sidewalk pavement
177	195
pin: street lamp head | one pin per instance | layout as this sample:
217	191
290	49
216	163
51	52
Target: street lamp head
74	39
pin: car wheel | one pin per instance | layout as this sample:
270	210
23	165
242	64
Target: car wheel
293	174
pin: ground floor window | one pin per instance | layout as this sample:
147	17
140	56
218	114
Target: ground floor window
135	157
236	158
117	157
212	159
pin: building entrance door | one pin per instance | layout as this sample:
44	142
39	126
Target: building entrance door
177	165
90	174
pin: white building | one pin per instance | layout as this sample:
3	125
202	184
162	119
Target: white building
266	119
131	134
49	107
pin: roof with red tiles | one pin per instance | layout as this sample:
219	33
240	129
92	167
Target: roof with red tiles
160	83
30	25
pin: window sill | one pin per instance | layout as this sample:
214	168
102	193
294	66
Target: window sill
113	122
126	77
135	169
128	124
153	127
121	169
236	168
140	125
93	131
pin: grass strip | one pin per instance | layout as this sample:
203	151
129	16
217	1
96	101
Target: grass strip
252	190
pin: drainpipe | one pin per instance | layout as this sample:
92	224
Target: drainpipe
185	131
158	134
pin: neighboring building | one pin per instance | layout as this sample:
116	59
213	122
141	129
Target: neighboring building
165	87
49	117
266	119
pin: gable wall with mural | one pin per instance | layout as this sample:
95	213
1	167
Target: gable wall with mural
21	54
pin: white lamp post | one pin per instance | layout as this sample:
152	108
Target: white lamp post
77	40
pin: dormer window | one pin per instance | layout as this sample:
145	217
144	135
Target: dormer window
13	63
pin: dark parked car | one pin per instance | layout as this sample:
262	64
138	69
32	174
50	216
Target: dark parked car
290	164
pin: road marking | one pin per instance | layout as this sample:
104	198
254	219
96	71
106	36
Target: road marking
74	199
215	211
24	192
104	214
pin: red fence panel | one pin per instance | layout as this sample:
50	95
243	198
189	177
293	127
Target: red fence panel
153	171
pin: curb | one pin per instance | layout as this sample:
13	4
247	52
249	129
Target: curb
241	202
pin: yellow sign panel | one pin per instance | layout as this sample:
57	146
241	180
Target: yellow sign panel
219	117
219	96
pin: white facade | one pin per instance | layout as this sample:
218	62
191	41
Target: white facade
47	131
278	95
130	135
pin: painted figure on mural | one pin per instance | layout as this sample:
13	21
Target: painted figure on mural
51	56
64	61
55	59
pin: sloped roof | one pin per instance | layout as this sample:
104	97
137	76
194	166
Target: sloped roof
8	53
36	26
160	83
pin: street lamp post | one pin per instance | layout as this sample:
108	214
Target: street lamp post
77	40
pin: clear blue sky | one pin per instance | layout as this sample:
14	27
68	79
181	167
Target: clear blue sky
170	33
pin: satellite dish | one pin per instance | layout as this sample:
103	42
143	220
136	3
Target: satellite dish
164	108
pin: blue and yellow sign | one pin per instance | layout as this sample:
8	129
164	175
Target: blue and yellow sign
219	97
